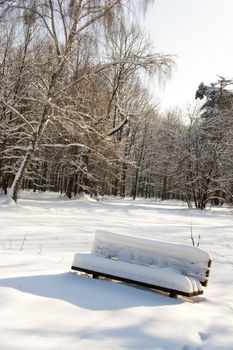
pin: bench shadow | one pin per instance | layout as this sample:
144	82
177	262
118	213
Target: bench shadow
86	292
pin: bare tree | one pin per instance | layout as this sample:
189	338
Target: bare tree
51	78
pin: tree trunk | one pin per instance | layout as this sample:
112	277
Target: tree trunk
18	180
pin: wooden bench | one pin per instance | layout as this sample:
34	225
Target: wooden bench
177	269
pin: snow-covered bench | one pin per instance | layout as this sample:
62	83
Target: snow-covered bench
178	269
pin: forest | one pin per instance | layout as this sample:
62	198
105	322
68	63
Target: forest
76	115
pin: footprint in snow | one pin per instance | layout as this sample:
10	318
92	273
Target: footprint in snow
204	336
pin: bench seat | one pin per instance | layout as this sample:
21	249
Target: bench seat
157	278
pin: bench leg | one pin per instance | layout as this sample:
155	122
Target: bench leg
95	275
173	295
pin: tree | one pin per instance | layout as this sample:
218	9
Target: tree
215	135
45	97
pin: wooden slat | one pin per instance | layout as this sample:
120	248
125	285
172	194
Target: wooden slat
207	273
172	292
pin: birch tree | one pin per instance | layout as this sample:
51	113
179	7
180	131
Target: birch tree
46	98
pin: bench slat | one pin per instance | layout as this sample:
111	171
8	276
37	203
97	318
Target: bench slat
172	292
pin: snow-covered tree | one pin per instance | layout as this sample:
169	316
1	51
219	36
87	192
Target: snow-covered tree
215	141
56	93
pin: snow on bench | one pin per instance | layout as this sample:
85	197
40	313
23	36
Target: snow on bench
178	269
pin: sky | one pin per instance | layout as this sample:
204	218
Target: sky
200	35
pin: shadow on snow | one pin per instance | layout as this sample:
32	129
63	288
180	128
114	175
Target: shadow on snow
86	292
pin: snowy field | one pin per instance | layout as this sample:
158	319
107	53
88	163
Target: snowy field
46	306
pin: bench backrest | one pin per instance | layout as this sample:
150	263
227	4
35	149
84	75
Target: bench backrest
189	260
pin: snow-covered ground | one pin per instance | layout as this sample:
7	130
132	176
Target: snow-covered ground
45	306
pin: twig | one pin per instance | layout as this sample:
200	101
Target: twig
24	239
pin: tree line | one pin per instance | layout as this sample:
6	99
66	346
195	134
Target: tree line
76	117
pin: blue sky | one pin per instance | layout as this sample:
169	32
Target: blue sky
200	33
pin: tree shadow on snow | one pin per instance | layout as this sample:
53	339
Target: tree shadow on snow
87	293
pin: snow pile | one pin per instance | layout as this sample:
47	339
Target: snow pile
104	239
6	200
83	197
